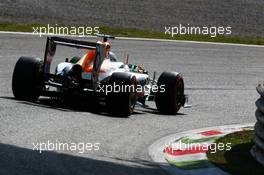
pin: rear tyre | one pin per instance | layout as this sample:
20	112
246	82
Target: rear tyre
170	96
26	81
121	103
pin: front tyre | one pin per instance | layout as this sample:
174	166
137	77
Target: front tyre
170	96
26	81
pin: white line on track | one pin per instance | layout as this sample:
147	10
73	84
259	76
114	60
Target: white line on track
137	39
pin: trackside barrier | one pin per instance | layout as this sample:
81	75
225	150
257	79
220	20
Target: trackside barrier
257	150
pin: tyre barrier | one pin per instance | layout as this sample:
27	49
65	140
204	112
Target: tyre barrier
257	150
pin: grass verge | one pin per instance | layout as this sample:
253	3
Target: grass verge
238	160
131	32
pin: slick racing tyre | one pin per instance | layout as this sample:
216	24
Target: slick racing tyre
26	81
121	103
170	96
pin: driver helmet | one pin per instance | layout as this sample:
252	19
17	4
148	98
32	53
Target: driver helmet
112	56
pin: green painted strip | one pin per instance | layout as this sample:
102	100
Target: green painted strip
187	140
189	165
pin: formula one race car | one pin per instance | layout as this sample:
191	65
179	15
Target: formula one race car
97	77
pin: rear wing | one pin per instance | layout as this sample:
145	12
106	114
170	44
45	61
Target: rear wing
50	50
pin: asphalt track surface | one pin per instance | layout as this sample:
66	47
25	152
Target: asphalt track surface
244	16
220	80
